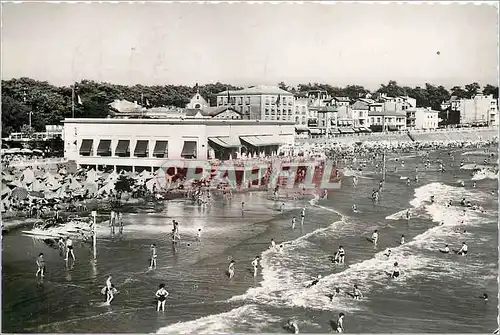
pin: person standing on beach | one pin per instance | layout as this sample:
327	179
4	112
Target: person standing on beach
293	222
282	207
402	240
242	207
273	244
255	263
161	295
340	323
120	222
375	237
40	262
303	216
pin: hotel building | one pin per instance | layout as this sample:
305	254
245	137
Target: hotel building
146	144
260	103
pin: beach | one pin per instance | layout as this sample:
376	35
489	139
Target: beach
436	292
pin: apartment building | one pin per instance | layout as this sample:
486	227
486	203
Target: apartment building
260	103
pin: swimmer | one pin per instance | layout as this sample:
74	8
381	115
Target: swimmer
314	282
416	178
463	250
273	244
198	236
395	271
408	215
40	263
445	250
432	199
474	184
354	181
325	194
484	297
462	183
230	269
69	249
242	206
356	293
161	295
340	323
354	208
255	263
408	182
282	207
293	222
336	293
402	239
281	248
450	203
388	253
303	216
152	264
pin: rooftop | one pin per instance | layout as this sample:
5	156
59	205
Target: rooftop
174	121
257	90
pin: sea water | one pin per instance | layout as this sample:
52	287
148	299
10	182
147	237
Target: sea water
435	293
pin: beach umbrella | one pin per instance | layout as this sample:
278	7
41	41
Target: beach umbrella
28	176
73	184
19	193
36	186
61	192
107	188
91	187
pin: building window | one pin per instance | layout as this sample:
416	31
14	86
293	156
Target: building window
378	119
248	100
197	106
123	148
86	147
189	149
161	149
141	148
289	111
267	101
104	148
267	111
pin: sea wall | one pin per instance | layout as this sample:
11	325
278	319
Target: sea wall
438	135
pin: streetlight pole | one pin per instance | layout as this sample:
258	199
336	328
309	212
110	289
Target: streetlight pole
94	230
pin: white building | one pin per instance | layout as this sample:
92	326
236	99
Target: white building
481	109
360	112
260	103
424	118
138	144
197	102
301	111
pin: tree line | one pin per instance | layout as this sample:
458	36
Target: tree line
49	104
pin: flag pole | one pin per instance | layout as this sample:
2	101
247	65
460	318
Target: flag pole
73	101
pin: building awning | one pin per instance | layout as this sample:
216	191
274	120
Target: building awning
226	142
392	127
141	147
301	128
261	141
356	129
189	149
122	147
160	147
334	131
86	147
315	131
104	147
346	130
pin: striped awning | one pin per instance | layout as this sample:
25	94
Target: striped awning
345	130
122	147
315	131
261	141
225	141
104	147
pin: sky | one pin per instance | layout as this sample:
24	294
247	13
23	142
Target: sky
250	44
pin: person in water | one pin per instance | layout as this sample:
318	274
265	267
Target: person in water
161	296
388	253
356	293
255	264
340	323
445	250
463	250
152	264
292	326
354	208
293	222
395	271
230	270
40	263
69	249
314	282
432	199
402	240
303	216
341	255
374	238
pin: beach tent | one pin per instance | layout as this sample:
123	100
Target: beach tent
91	187
107	188
28	176
36	186
112	177
73	185
61	192
91	176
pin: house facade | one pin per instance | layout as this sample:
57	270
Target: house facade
197	102
260	103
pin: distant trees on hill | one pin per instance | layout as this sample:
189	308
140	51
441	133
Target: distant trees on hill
50	104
